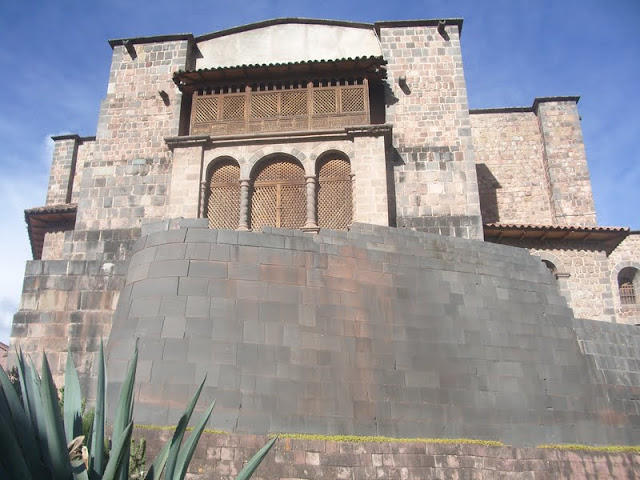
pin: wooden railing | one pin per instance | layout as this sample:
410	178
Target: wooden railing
314	106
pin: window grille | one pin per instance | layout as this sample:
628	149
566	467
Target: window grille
352	100
278	197
324	101
233	107
294	104
627	293
627	282
207	110
264	105
335	204
223	203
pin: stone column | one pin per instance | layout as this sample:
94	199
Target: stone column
311	224
244	205
203	200
354	212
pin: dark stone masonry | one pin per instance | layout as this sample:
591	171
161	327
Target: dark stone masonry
376	331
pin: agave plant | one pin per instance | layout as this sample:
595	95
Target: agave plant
39	443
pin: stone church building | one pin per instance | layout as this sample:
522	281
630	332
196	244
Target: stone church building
278	202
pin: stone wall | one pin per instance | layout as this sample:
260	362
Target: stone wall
509	156
583	274
125	180
531	164
63	166
84	160
53	245
102	245
365	150
67	305
436	188
565	160
224	455
625	255
376	331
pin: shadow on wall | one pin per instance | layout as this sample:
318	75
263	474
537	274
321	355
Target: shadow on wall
487	186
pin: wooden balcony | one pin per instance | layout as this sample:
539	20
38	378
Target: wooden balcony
280	107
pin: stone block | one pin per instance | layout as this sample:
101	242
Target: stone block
198	306
199	327
149	327
175	349
155	287
202	235
193	286
175	373
171	252
244	271
219	252
229	237
208	269
164	237
174	327
169	268
173	306
198	251
150	349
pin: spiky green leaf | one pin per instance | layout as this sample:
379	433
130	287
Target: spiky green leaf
124	410
11	459
186	452
22	426
176	440
37	411
96	454
72	401
27	394
118	453
252	464
158	464
59	457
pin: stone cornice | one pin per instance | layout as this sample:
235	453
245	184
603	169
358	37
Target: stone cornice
338	133
533	108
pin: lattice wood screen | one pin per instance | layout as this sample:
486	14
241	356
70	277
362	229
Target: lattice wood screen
335	204
278	198
223	202
325	105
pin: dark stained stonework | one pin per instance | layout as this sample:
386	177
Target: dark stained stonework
376	331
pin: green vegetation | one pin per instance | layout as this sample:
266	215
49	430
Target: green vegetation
364	439
173	427
38	441
591	448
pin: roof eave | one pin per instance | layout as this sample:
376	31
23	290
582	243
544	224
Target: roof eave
63	215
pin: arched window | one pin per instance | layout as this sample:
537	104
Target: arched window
335	203
223	196
628	280
278	198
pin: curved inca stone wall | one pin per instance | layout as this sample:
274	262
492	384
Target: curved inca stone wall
376	331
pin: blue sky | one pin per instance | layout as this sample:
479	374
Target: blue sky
56	61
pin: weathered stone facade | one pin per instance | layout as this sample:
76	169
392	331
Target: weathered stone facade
432	150
264	312
531	164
